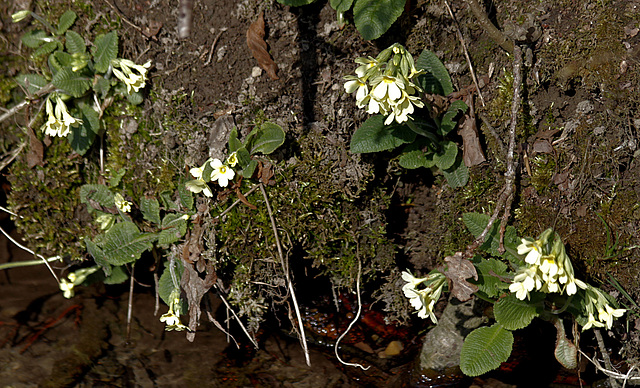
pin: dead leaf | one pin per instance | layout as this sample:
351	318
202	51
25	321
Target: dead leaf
36	150
460	269
244	200
472	150
265	173
195	288
258	47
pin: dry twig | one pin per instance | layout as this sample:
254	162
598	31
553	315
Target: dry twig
506	196
285	268
466	53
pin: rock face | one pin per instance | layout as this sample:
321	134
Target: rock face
442	345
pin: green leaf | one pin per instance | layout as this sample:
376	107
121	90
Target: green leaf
449	120
186	196
413	155
101	86
485	349
234	143
61	59
46	49
374	17
173	228
476	223
98	193
447	157
244	159
166	285
33	39
32	82
105	50
248	171
72	83
167	201
75	43
566	351
374	136
264	139
341	6
116	177
118	276
513	313
98	256
66	20
296	3
135	98
124	243
489	273
150	209
81	137
436	80
457	176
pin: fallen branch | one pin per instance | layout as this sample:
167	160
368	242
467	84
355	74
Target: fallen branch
498	36
506	195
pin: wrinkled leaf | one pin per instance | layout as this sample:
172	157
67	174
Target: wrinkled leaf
32	82
341	6
446	158
124	243
374	17
46	49
105	50
436	80
566	351
150	209
81	137
66	20
258	47
98	193
457	176
449	120
374	136
74	42
71	82
485	349
33	39
513	313
492	276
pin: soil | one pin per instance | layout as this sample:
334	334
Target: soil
578	157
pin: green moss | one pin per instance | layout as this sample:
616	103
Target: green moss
46	197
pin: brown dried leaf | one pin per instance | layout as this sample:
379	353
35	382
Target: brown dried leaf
36	150
258	47
472	150
195	288
460	269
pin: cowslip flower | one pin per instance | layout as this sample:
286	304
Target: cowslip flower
221	173
525	281
59	121
134	81
591	322
359	86
171	320
424	300
122	204
198	185
607	313
532	248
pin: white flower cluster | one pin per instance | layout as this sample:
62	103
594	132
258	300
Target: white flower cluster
134	81
424	298
385	84
59	120
549	270
211	171
548	267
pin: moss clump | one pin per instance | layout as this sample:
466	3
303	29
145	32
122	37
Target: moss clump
46	198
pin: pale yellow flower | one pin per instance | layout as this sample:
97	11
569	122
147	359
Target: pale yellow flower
221	173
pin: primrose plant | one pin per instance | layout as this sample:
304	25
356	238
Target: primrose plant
543	285
79	84
392	88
